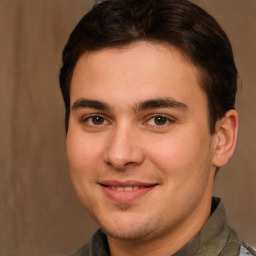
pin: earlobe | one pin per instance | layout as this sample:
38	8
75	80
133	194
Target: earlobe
226	136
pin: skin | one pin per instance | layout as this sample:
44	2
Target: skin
139	118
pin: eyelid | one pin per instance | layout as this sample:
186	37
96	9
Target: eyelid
107	120
169	118
85	119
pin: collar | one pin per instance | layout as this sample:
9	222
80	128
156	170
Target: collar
99	244
212	237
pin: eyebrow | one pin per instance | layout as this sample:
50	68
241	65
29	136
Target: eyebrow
85	103
144	105
160	103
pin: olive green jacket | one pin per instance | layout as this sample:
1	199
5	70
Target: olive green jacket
216	238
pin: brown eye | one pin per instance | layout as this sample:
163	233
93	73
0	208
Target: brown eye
160	120
97	120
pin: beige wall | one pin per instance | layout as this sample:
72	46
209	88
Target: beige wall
39	212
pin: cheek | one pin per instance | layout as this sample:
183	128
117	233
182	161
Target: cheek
184	153
81	156
82	165
185	164
82	148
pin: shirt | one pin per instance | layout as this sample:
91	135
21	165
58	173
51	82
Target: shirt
216	238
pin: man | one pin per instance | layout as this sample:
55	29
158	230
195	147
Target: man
149	88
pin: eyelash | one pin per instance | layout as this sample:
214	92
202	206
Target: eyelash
87	118
167	120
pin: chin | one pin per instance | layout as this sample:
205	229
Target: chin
128	235
129	229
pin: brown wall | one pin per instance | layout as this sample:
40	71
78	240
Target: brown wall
39	212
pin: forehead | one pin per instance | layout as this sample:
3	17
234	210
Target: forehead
137	71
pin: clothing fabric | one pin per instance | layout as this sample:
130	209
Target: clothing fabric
216	238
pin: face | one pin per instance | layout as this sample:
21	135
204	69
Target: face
139	145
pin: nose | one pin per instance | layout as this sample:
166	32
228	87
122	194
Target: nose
124	149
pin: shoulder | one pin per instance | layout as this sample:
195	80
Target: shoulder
236	246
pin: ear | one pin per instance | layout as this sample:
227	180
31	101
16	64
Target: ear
225	138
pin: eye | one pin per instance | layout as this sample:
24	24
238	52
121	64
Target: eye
95	120
159	120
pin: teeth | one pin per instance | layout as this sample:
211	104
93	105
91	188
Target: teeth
128	188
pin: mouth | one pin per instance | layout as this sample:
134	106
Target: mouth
125	192
125	188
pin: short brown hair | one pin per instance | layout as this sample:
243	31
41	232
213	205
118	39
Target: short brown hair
180	23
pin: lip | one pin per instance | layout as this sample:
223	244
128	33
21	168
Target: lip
125	192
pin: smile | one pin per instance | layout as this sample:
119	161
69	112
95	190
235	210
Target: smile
128	188
125	193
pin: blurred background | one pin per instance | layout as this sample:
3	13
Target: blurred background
39	212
